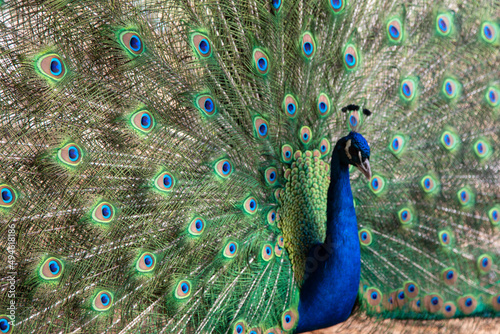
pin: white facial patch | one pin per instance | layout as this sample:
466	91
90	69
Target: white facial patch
347	146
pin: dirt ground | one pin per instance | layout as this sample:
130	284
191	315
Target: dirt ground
454	326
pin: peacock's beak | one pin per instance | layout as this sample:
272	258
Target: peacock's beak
364	167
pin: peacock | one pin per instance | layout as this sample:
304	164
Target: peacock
250	166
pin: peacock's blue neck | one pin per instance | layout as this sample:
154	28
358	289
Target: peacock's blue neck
333	268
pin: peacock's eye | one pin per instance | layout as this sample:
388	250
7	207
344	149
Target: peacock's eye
394	30
8	196
146	262
351	57
261	62
103	213
52	67
305	135
5	324
289	320
164	182
267	252
132	42
250	205
290	105
261	127
202	45
223	168
103	301
308	45
183	289
239	328
143	121
206	105
51	269
337	5
286	153
231	249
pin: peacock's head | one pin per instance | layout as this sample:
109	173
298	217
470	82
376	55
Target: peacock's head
354	149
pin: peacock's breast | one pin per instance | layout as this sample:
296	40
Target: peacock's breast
303	207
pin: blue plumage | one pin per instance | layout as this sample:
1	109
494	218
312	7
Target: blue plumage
331	287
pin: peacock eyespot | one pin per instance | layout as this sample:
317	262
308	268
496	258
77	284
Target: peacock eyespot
444	24
70	155
373	296
206	104
324	147
51	66
465	197
492	96
271	176
433	303
5	324
143	121
267	252
407	89
250	205
290	106
467	304
365	237
429	184
397	144
377	184
482	149
494	215
271	217
450	276
224	168
278	250
260	127
405	216
102	301
289	320
411	289
445	238
202	45
276	5
308	45
51	269
489	32
323	105
449	140
197	226
354	120
146	262
239	327
261	62
395	30
449	310
337	6
103	213
183	289
132	42
305	135
8	196
484	263
495	302
230	250
286	153
164	182
450	88
351	60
